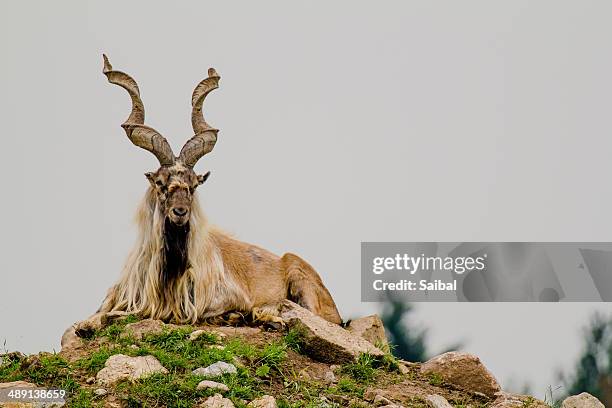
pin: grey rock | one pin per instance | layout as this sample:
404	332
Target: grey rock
216	369
202	385
584	400
142	328
438	401
267	401
119	367
463	370
508	400
325	341
380	401
217	401
370	328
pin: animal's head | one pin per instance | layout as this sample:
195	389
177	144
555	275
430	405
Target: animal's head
175	181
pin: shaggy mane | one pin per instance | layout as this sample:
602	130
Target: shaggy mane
174	273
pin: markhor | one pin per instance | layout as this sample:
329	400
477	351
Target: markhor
437	285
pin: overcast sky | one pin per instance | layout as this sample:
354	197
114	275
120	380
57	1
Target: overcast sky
340	122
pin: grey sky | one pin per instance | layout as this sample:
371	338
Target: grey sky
340	122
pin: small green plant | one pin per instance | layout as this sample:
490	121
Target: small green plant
177	352
240	348
262	370
114	331
273	355
389	362
169	390
363	369
9	367
347	386
295	340
436	379
95	361
83	398
51	369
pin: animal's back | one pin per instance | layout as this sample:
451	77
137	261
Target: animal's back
269	279
257	270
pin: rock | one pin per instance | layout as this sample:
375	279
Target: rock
235	331
267	401
508	400
196	333
217	401
328	377
320	374
464	371
87	328
370	394
380	400
100	392
212	385
119	367
98	321
438	401
72	339
370	328
142	328
584	400
17	384
403	369
216	369
325	341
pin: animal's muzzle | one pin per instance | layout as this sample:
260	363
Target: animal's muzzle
180	211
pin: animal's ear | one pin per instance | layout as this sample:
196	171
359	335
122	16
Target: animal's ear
151	177
203	177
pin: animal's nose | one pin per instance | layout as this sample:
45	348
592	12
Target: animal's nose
179	211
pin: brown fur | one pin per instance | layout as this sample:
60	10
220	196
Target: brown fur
222	275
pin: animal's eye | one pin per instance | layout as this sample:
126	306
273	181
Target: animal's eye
159	183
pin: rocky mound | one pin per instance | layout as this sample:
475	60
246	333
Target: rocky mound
116	360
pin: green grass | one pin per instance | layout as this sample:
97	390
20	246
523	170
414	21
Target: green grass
260	369
83	398
272	355
113	332
95	361
367	367
49	370
294	340
181	356
347	386
363	369
10	368
436	379
52	370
